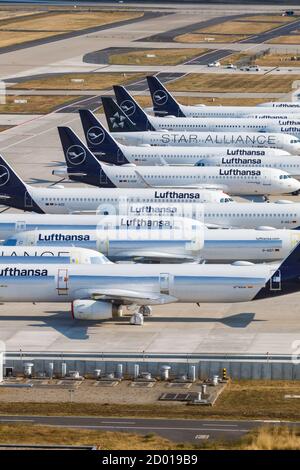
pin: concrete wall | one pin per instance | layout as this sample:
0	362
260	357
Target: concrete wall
239	369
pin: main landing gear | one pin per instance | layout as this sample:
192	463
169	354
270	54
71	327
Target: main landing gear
138	316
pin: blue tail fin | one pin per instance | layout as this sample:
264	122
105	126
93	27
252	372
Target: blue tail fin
99	141
164	104
13	191
82	165
285	280
132	109
117	120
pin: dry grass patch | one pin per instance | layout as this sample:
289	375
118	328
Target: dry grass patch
10	38
277	60
268	60
292	39
70	21
272	438
37	434
35	104
272	18
92	81
239	27
161	56
7	14
146	101
197	37
242	83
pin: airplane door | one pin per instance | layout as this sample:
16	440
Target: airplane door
28	200
164	283
103	177
62	282
275	282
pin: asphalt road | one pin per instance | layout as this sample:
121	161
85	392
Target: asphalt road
187	430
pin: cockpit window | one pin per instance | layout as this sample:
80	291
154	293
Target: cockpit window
284	177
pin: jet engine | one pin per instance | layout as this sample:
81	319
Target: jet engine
83	309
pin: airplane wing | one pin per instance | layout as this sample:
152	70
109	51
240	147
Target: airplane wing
145	255
163	161
129	297
196	186
142	179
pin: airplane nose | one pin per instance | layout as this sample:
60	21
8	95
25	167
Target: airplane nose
294	186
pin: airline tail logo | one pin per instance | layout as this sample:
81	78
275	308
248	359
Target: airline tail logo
76	155
160	97
4	175
95	135
128	107
117	121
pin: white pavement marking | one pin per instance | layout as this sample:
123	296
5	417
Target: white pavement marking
156	428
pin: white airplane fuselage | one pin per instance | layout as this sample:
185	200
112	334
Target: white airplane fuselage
288	163
234	181
124	244
58	253
166	283
239	215
260	123
103	200
220	138
226	112
150	155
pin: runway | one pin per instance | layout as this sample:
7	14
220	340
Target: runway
193	431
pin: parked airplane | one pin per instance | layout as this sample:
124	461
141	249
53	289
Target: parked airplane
165	104
83	166
213	246
21	253
290	164
103	145
264	122
127	132
290	106
15	193
172	240
100	293
281	214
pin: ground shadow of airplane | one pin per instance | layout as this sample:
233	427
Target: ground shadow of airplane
239	320
60	321
39	181
55	163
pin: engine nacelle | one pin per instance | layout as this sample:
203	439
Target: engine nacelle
83	309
